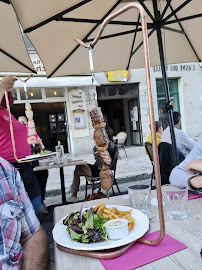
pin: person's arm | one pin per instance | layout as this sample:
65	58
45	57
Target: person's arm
187	141
33	238
194	165
6	84
35	251
179	175
41	145
195	182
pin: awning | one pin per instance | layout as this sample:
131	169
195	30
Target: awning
74	81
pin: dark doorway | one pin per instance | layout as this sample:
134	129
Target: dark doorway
113	113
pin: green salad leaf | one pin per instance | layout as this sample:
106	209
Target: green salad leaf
74	236
86	229
45	152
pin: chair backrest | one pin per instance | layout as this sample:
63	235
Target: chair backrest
148	147
167	161
122	136
114	161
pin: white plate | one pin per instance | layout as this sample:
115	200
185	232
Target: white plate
38	156
61	236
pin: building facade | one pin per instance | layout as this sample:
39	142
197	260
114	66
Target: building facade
61	105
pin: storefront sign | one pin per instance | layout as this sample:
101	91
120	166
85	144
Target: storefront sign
179	67
118	76
78	111
77	99
38	65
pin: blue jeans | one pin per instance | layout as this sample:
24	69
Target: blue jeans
36	202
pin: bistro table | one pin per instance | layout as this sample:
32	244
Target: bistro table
187	231
61	163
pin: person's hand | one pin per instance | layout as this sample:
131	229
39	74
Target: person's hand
196	182
7	83
194	165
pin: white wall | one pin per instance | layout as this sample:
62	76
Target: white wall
190	94
83	145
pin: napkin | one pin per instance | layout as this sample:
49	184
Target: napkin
192	196
140	254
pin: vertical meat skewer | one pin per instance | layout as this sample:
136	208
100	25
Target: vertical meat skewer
101	141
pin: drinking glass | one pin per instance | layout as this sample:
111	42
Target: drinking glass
140	198
175	202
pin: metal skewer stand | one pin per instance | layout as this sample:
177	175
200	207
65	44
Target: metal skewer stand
151	109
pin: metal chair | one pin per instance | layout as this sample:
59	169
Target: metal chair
148	147
95	182
121	139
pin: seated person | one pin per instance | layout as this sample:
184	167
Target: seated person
89	169
188	172
42	176
22	147
23	241
184	143
159	131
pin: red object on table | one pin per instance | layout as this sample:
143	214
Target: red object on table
194	196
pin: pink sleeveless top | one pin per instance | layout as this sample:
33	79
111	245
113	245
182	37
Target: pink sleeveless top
23	149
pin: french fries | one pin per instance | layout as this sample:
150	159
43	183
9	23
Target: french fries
113	213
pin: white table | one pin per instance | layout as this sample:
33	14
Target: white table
61	163
188	231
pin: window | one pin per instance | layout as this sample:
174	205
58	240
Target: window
54	92
33	93
174	96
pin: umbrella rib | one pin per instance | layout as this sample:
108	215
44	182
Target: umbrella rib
38	25
165	9
147	10
97	21
189	41
141	43
176	10
16	60
172	29
117	34
5	1
184	19
133	42
84	39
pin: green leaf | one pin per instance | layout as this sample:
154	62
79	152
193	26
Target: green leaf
69	221
85	239
86	215
74	235
103	233
89	224
98	220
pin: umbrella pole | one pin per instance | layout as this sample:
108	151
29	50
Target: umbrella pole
169	106
151	109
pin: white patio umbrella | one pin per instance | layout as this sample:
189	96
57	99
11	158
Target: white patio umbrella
13	53
51	26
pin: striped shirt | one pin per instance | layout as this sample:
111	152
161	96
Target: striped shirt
17	217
